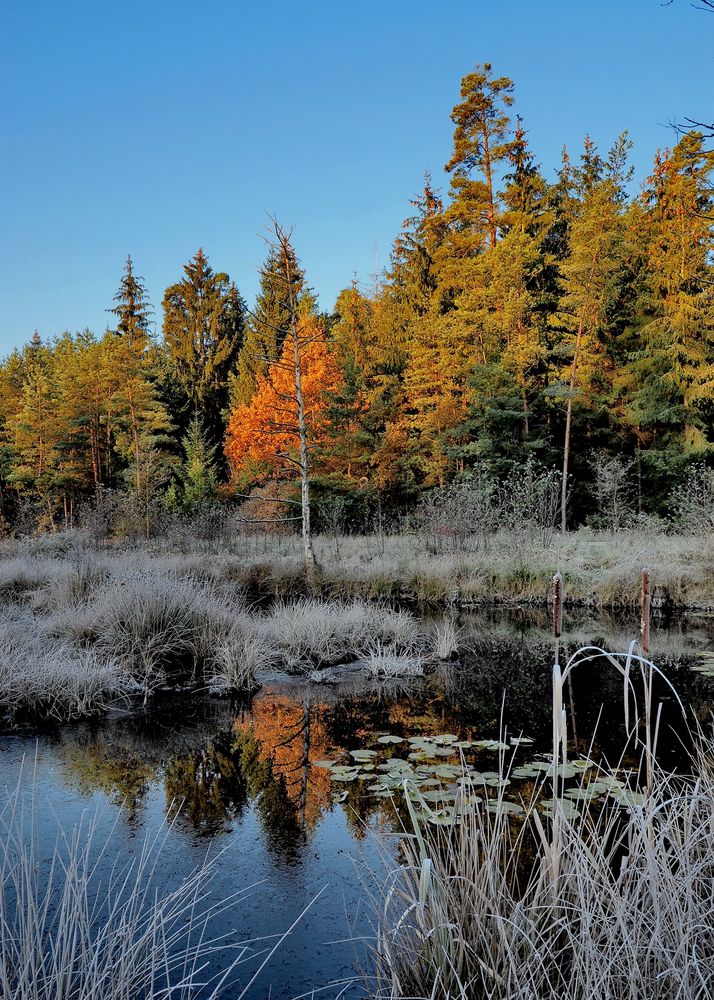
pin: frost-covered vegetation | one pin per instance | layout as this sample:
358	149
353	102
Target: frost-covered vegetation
84	621
601	889
80	627
66	930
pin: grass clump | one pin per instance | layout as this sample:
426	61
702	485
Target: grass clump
68	931
309	633
49	677
552	897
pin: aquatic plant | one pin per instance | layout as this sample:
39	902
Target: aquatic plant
615	900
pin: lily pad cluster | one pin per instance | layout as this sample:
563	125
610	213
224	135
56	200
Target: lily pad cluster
436	774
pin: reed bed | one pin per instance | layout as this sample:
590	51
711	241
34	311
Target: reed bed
540	899
67	931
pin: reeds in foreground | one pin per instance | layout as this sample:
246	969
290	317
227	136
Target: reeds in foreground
611	900
74	927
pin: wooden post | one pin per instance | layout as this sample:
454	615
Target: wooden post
645	607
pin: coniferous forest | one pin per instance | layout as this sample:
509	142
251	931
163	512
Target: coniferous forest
563	325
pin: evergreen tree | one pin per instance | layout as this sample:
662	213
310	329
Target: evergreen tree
204	319
482	146
268	324
589	277
34	430
674	367
139	422
199	471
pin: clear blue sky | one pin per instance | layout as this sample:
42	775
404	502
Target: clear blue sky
154	127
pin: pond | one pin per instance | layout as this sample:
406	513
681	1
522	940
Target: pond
251	784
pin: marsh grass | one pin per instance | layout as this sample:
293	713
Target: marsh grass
81	631
610	900
74	925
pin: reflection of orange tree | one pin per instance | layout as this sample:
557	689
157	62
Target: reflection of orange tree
292	736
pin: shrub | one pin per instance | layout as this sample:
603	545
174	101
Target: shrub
692	503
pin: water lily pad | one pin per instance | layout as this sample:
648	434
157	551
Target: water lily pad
525	772
518	741
585	794
447	771
363	754
434	795
565	806
491	745
504	806
390	739
629	798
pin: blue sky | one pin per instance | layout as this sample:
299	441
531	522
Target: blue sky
154	127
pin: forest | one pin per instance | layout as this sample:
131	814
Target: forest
557	327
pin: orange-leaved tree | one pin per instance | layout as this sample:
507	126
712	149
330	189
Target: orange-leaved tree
287	413
263	435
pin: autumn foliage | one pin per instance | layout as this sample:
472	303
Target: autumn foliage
264	433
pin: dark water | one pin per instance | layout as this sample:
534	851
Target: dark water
247	778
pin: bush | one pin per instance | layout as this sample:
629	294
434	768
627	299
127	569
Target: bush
692	503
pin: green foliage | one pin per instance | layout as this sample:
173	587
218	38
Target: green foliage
519	321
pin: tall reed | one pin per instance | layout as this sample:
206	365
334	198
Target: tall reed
615	901
75	926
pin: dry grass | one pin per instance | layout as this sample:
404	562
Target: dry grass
616	900
71	929
87	626
600	568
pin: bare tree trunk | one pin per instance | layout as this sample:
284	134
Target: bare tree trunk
568	428
311	568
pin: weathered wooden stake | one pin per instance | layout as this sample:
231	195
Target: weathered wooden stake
557	613
645	606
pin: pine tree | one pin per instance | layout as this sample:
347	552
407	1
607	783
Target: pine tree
204	320
482	146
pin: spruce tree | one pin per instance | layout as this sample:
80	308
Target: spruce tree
268	324
674	366
204	320
199	471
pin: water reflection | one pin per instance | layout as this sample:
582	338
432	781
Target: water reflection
247	774
218	759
